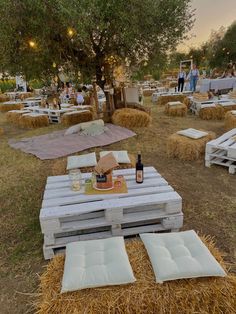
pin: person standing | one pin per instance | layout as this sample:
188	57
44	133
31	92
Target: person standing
181	79
193	78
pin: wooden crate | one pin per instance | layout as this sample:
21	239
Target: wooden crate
222	151
68	216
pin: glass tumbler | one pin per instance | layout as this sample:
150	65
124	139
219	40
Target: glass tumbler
75	179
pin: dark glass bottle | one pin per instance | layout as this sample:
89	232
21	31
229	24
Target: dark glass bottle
139	170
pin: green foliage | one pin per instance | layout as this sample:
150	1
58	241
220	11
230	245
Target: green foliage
7	85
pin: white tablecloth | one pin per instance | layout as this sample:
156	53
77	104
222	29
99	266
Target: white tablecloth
217	84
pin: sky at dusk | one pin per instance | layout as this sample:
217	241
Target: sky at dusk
210	15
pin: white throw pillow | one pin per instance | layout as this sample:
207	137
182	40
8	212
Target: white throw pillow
73	129
85	125
87	160
192	133
180	255
174	103
233	112
96	263
121	156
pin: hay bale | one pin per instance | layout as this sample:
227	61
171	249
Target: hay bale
13	116
164	99
129	118
139	107
198	295
230	121
75	117
1	131
187	102
212	113
178	110
148	92
32	120
186	148
8	107
4	98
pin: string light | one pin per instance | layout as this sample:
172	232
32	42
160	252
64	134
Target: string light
54	65
70	32
32	44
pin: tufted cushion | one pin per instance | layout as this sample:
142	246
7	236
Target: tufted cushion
96	263
87	160
192	133
121	156
180	255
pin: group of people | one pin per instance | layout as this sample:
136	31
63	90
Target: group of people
192	76
68	92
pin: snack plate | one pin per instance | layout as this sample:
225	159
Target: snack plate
108	189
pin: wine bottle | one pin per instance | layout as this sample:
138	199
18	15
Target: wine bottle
139	170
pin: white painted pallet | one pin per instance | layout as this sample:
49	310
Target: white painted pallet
65	211
222	151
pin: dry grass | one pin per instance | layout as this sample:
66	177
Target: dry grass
186	148
230	121
32	122
202	295
212	113
8	107
209	200
77	117
162	100
131	118
176	111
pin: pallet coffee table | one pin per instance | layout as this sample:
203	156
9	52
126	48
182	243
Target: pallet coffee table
68	216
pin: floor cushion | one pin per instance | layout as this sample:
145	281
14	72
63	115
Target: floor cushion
180	255
86	160
192	133
121	156
96	263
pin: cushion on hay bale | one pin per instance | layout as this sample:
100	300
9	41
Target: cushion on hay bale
230	120
186	148
131	118
33	120
199	295
212	112
192	133
164	99
96	263
180	255
11	106
176	109
86	160
121	156
14	115
76	117
228	106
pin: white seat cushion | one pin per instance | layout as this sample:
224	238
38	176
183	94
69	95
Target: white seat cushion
192	133
121	156
174	103
180	255
96	263
73	129
87	160
233	112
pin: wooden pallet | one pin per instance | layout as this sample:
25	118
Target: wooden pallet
222	151
153	204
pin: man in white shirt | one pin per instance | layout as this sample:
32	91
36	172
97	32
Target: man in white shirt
181	78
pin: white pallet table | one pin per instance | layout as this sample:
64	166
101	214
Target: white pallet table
66	215
223	142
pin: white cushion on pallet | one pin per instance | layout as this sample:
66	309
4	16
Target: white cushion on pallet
121	156
87	160
192	133
180	255
233	112
174	103
96	263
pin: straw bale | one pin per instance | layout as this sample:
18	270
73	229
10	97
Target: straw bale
212	113
1	131
8	107
4	98
77	117
139	107
164	99
27	121
148	92
186	296
14	116
230	121
229	108
186	148
176	111
59	166
187	102
128	118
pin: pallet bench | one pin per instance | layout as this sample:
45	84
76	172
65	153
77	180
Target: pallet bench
68	216
222	151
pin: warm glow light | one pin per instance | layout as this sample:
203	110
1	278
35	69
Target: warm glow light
32	44
228	53
223	49
54	65
70	32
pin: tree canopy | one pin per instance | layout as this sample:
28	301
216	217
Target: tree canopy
38	37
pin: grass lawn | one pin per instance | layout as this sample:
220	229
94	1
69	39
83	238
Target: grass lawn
209	200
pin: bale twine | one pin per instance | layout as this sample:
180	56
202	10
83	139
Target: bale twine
186	148
164	99
179	110
8	107
128	118
212	113
14	115
199	295
72	118
230	121
33	121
